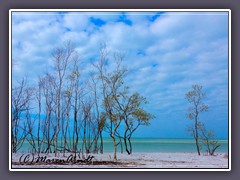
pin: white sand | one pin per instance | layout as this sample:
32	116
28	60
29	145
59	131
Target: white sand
143	160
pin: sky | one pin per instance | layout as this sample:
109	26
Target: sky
165	54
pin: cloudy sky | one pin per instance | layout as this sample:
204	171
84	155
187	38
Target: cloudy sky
165	53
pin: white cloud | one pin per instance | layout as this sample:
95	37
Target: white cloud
76	22
164	57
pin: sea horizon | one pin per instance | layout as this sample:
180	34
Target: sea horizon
149	145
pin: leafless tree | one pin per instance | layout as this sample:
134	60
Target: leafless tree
77	90
139	118
88	125
66	116
61	57
98	116
21	97
31	138
50	102
39	102
100	103
207	137
130	108
112	86
195	98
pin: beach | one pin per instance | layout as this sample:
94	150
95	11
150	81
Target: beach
135	160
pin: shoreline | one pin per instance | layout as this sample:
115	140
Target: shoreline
135	160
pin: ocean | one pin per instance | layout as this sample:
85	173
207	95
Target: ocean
153	145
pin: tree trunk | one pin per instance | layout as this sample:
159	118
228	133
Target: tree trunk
101	143
126	145
125	142
115	148
130	145
196	137
75	128
197	145
121	145
214	149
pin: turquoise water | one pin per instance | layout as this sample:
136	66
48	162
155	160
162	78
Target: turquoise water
154	145
165	145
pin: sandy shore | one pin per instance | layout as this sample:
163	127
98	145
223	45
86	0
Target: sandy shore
136	160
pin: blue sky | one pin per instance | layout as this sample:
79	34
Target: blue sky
165	53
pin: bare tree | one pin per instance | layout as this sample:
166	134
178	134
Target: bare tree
111	83
98	115
129	106
86	110
62	57
49	124
207	137
21	97
119	106
75	78
31	138
62	97
39	102
66	116
195	98
139	118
